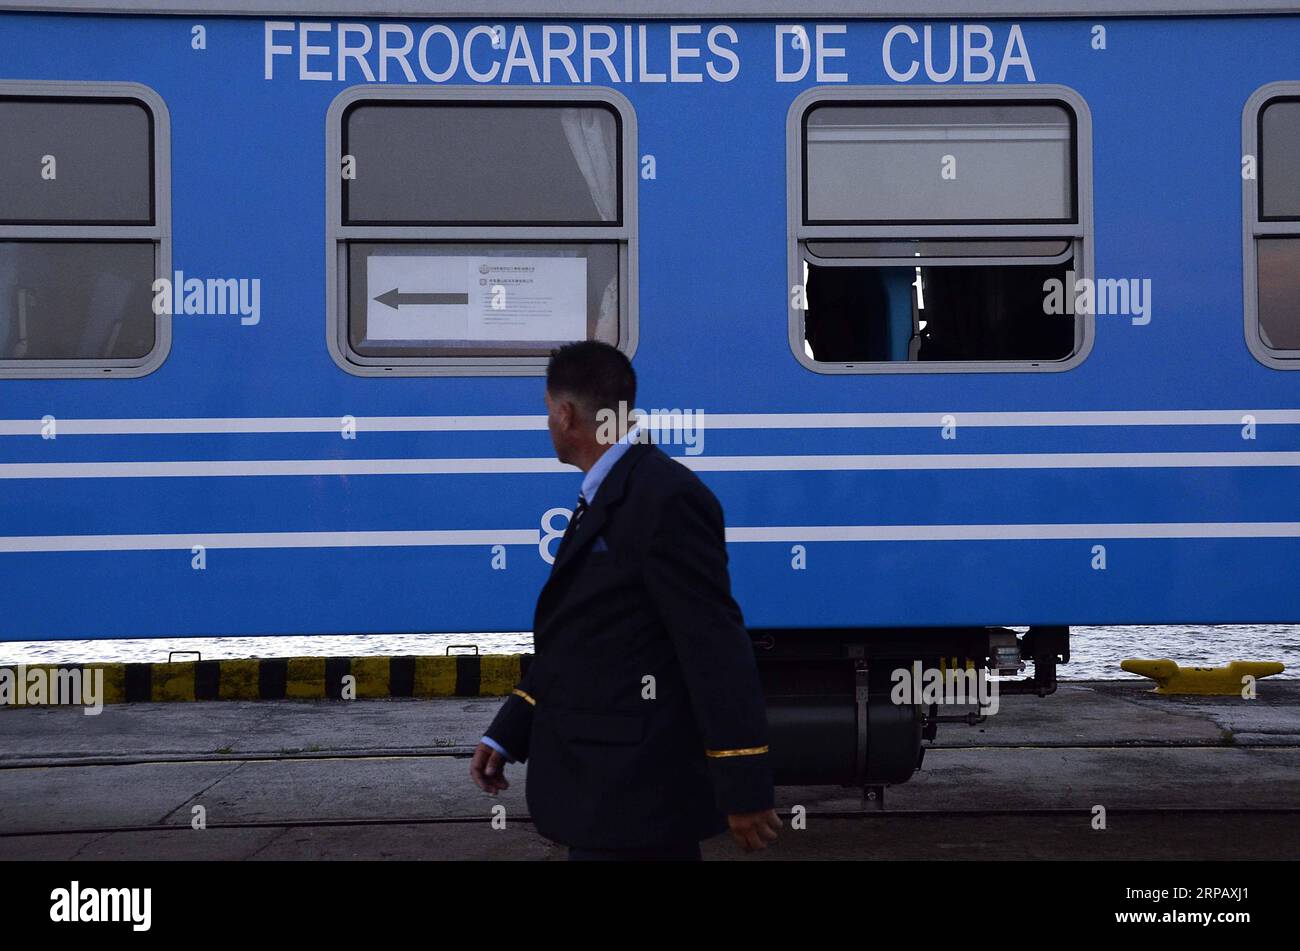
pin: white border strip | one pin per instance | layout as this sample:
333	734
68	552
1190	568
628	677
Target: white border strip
664	9
254	425
272	424
512	466
186	542
955	533
278	467
26	544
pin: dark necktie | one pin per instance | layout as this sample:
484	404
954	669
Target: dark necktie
578	512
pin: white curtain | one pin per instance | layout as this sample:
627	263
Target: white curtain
111	294
13	345
607	319
590	133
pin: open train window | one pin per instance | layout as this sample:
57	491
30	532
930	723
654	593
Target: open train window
84	229
926	228
1271	213
471	231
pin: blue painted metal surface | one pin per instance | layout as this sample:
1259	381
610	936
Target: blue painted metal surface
248	196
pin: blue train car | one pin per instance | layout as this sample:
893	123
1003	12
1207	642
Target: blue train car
972	314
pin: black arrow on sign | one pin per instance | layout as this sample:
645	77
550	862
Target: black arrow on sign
396	298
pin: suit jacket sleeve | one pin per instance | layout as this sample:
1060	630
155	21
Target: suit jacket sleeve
686	574
513	725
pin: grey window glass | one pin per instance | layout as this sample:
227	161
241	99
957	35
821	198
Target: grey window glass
76	300
451	163
102	162
929	247
883	163
1279	292
419	299
1279	174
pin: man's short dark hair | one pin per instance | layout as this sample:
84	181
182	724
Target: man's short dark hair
592	373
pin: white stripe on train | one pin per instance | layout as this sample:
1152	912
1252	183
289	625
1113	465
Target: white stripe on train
405	424
533	465
786	533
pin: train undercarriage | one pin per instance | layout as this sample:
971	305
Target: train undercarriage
855	706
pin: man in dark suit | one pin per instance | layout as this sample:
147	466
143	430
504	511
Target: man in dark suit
640	717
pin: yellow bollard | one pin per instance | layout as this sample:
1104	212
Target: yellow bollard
1204	681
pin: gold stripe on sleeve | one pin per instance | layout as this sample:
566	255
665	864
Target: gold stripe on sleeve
519	693
750	751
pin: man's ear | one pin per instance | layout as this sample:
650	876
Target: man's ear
566	413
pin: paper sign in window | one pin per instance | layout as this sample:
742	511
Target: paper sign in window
446	297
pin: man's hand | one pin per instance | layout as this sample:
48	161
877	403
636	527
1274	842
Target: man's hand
753	830
488	770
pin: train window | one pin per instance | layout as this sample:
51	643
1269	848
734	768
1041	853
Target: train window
84	229
885	162
1279	157
1271	212
474	230
75	162
458	163
106	313
927	229
1279	293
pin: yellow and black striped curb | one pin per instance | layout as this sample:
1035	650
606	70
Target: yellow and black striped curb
299	678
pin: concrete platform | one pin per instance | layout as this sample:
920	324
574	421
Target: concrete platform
388	778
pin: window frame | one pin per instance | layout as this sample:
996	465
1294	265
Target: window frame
1079	230
1255	226
338	235
158	233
